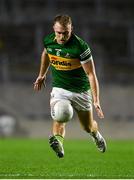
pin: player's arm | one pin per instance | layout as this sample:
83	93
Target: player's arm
89	68
43	70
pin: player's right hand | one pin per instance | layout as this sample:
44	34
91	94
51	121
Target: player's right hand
38	83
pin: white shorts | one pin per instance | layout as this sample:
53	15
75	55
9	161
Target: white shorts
79	101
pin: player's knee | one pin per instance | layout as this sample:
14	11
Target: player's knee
62	111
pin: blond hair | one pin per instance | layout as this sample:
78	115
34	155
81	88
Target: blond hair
64	20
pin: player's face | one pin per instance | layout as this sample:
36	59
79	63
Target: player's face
62	33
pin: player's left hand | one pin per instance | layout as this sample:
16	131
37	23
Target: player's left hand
99	110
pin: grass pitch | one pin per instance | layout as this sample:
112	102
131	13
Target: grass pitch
33	159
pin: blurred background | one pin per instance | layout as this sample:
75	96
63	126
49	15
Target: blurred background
108	27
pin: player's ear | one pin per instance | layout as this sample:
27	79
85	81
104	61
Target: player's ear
53	27
72	28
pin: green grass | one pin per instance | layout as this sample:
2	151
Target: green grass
33	159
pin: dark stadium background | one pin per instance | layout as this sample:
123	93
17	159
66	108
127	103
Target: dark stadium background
108	27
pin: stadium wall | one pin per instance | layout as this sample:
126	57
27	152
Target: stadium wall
32	113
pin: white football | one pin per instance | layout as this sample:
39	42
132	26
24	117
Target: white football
62	111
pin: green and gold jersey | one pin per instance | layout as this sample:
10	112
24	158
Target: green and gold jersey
66	60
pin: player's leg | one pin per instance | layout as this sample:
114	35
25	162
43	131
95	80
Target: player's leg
91	126
58	128
87	122
57	138
61	112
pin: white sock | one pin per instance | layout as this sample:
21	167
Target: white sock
96	135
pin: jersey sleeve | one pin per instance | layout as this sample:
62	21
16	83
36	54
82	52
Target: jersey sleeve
85	54
45	42
48	40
